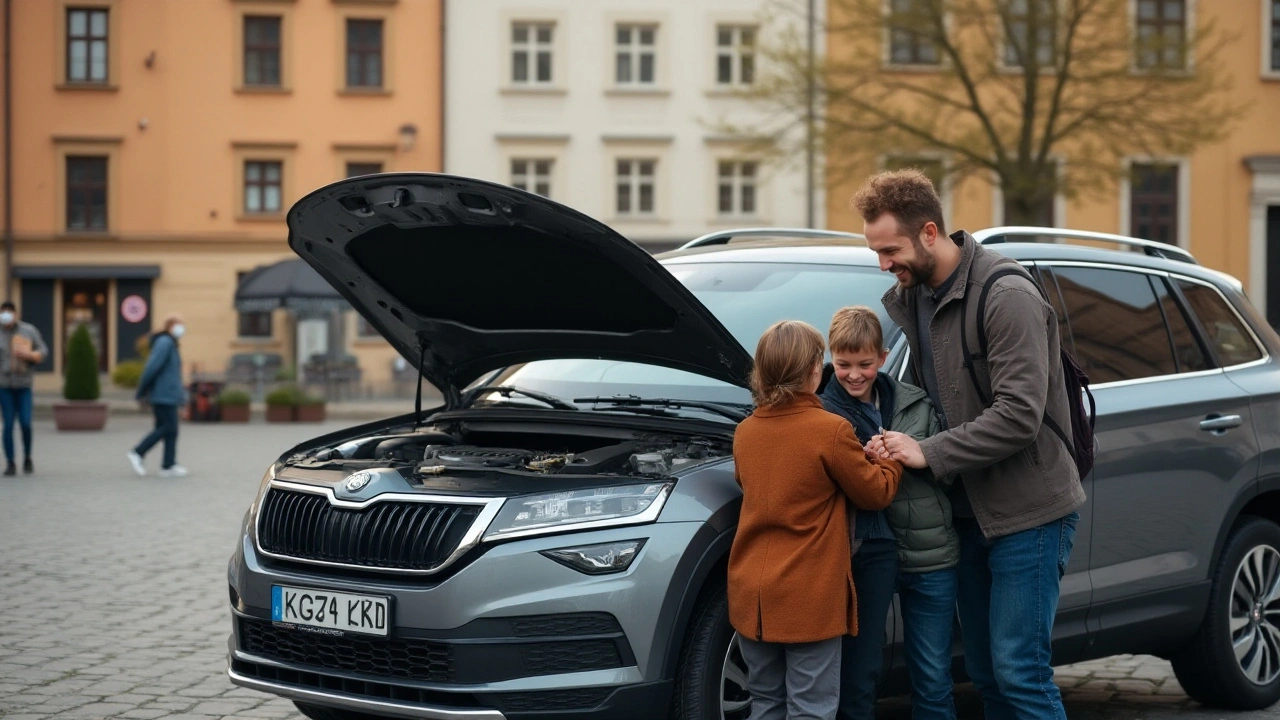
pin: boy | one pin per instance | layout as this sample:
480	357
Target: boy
910	546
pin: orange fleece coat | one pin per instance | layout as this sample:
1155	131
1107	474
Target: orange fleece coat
790	575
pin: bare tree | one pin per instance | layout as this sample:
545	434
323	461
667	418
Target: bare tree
1002	88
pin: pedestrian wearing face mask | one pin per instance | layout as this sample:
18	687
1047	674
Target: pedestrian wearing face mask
21	348
161	385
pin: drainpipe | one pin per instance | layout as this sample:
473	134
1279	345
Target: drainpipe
8	148
444	13
810	119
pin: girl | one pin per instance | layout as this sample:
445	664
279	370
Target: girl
791	595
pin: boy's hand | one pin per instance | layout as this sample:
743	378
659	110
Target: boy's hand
903	448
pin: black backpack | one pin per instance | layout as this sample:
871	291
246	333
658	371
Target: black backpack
1077	382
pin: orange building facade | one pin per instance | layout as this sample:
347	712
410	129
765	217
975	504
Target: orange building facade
1222	202
156	146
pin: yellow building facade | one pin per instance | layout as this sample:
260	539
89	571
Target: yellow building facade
1222	202
156	145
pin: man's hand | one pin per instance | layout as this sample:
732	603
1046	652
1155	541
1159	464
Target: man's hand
903	448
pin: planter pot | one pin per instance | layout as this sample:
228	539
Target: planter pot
80	415
279	413
235	413
309	413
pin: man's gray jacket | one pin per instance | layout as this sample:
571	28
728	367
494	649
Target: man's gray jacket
1017	473
16	373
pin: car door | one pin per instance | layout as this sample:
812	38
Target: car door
1175	446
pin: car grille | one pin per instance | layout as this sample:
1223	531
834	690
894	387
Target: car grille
408	659
392	535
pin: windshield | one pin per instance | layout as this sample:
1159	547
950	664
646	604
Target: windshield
746	298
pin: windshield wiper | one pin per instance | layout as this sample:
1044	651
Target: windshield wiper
622	402
508	390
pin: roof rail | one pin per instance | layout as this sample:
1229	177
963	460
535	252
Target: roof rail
722	237
1150	247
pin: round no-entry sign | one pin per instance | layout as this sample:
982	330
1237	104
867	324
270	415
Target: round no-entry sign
133	309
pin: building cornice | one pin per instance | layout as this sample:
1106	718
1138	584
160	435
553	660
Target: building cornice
264	145
89	139
1263	163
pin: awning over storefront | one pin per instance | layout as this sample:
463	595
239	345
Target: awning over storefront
290	284
87	272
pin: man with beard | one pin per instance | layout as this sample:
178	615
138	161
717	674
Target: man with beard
1017	489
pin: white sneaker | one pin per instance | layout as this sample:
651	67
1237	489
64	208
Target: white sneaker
173	471
136	461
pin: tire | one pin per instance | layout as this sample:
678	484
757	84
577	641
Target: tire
1207	667
316	712
711	675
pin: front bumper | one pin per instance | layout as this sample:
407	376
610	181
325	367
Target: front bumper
513	634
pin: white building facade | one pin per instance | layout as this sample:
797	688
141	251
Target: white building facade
617	108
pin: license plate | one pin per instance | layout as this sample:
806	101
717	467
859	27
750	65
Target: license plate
332	611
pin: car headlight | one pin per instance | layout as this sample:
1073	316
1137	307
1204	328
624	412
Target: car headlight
600	559
578	510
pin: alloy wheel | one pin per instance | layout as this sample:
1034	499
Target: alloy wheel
735	700
1255	615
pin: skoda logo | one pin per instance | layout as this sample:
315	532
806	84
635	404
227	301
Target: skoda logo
356	482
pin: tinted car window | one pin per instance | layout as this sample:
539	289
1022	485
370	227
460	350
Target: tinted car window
1186	346
1116	323
746	298
1225	332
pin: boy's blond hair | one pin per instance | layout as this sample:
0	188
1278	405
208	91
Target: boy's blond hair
855	329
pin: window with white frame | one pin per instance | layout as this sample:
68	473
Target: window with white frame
1161	29
1153	202
908	45
636	58
735	54
532	175
1030	31
737	182
636	191
531	53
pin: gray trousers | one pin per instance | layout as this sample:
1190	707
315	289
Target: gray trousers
793	681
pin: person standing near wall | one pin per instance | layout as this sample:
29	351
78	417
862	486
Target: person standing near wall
21	348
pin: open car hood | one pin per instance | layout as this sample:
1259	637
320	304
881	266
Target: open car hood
467	276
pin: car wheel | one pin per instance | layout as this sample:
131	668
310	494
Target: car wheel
1233	661
316	712
711	680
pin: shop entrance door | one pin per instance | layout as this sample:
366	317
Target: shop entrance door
84	302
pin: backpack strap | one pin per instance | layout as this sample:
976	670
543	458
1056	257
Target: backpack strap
969	357
981	322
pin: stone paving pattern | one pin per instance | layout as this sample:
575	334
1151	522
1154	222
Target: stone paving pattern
114	595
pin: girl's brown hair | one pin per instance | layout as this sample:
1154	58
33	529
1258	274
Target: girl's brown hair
784	361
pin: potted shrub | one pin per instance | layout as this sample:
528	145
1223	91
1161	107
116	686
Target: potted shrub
81	389
310	408
233	405
281	402
127	374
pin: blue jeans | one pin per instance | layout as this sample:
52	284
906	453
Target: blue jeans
1008	598
167	430
16	401
875	576
928	603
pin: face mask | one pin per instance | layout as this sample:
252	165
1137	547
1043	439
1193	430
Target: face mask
178	330
6	318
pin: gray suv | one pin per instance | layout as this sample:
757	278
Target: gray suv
552	541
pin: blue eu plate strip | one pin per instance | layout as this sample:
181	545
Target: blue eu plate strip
277	603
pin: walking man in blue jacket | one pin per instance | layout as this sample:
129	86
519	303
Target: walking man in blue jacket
161	385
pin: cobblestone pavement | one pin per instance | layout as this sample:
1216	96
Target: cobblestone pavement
114	594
